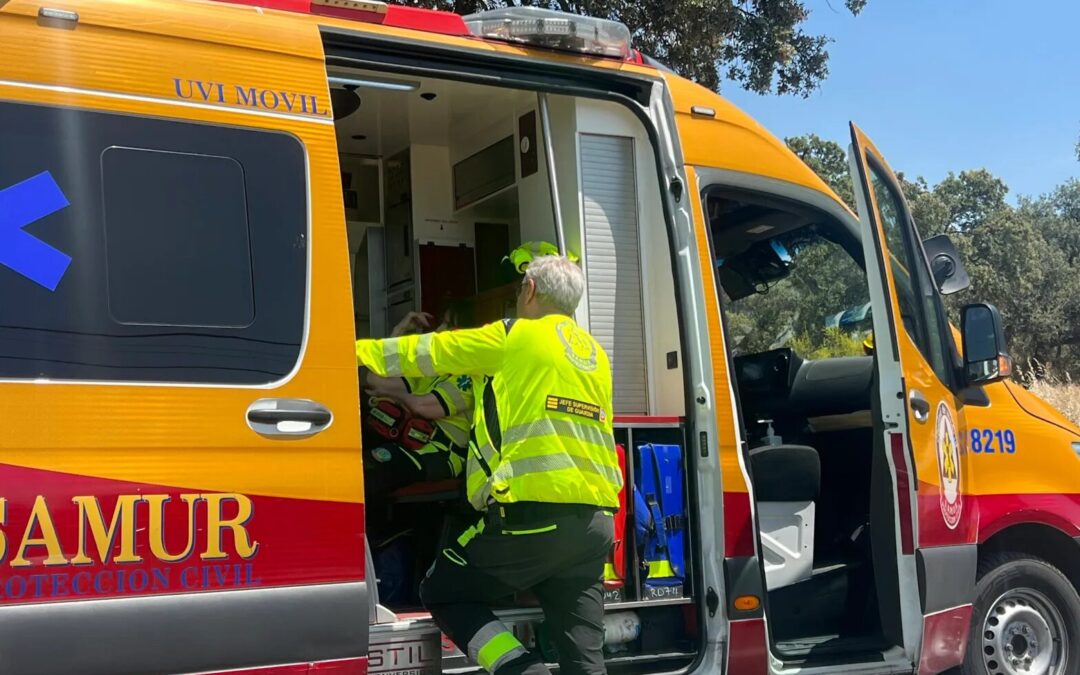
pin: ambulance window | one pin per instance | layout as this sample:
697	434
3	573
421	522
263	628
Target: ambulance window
915	293
138	249
184	264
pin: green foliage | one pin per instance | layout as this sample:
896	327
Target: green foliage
828	160
1024	259
759	44
829	343
796	310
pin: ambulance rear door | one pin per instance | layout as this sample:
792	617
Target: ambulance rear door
923	420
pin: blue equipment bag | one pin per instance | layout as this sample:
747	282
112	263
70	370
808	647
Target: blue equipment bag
661	514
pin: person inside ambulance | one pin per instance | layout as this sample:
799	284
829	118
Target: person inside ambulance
416	428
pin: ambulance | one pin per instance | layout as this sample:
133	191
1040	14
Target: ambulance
203	203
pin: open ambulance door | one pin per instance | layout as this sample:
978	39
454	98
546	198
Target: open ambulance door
922	421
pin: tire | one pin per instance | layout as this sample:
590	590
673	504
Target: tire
1026	619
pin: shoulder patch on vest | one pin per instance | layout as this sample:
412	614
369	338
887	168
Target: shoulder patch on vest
580	348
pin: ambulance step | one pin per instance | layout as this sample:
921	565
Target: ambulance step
860	648
405	648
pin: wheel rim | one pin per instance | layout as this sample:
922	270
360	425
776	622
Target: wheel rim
1024	634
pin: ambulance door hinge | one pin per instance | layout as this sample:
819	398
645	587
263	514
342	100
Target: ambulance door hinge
712	601
676	188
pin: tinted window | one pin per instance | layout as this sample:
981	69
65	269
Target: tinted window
175	260
187	248
916	295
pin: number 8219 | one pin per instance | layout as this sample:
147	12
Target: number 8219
989	441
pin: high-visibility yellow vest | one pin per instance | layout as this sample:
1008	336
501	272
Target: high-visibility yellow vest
455	394
542	427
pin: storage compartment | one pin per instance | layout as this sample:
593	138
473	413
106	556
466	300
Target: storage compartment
658	518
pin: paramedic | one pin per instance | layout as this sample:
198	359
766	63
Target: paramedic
542	468
445	400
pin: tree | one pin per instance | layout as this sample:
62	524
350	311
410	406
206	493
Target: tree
759	44
1025	260
828	160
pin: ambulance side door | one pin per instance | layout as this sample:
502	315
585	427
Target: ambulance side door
923	416
180	474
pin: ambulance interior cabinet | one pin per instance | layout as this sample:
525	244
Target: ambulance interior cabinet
652	576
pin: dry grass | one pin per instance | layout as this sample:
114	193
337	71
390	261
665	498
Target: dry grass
1059	391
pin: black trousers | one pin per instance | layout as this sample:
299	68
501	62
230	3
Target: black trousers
557	551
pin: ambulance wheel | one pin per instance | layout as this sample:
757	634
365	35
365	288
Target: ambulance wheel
1026	619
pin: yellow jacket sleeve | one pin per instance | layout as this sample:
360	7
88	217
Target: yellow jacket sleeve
478	351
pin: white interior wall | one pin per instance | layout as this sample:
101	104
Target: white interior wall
475	127
433	214
661	319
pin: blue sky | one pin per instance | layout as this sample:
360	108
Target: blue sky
946	85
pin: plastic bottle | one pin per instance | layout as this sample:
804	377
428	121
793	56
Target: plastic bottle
770	436
621	627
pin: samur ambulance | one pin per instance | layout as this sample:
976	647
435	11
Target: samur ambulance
204	203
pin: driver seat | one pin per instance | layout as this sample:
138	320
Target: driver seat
787	482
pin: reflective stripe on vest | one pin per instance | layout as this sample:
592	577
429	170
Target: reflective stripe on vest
563	428
458	436
555	462
450	390
423	355
391	355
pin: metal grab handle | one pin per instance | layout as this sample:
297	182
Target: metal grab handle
275	416
288	417
920	407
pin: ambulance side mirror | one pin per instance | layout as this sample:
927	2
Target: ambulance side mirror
986	357
949	272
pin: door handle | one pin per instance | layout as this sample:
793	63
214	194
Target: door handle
288	417
920	407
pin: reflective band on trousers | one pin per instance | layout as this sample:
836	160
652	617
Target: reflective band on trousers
423	355
493	645
391	357
561	428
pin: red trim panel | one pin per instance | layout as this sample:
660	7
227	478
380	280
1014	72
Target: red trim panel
998	512
357	666
71	537
748	652
738	525
903	490
945	638
415	18
991	514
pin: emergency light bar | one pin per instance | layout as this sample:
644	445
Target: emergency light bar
538	27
